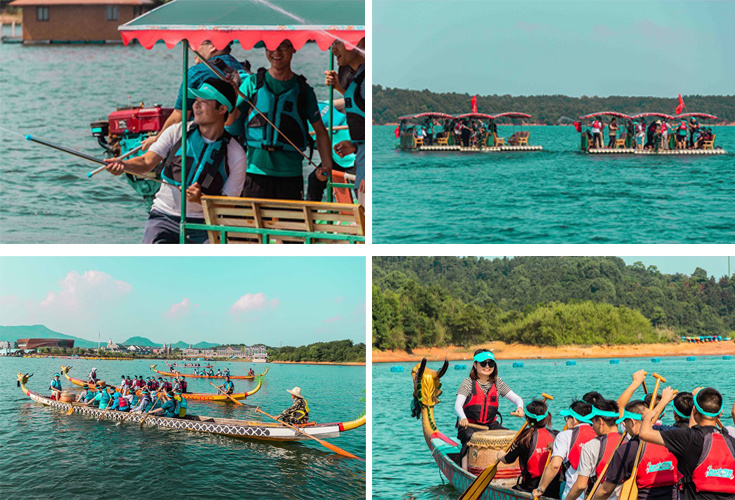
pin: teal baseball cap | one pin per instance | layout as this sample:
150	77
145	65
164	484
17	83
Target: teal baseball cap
216	90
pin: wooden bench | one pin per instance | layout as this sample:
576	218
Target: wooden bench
256	220
620	141
442	141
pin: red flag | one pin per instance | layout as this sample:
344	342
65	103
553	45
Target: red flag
681	106
398	131
578	126
474	104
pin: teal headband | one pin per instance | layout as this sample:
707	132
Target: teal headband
538	418
206	91
572	413
680	413
596	412
632	416
706	413
484	356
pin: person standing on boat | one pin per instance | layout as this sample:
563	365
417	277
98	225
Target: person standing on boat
215	164
681	135
612	132
693	132
354	107
664	135
55	387
531	449
478	399
596	129
196	75
298	412
640	134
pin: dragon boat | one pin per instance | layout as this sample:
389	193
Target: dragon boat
247	429
442	125
232	377
625	143
195	396
445	451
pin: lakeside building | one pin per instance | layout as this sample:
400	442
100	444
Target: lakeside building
228	352
77	21
29	344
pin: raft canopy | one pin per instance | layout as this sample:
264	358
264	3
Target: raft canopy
606	113
480	116
655	115
430	114
703	116
511	114
224	21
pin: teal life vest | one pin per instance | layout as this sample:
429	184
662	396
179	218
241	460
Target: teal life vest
286	111
104	399
229	386
206	163
181	408
56	384
89	397
355	107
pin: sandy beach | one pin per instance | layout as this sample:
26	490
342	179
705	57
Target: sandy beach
520	351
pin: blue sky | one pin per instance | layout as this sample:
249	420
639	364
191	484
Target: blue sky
289	300
581	47
715	266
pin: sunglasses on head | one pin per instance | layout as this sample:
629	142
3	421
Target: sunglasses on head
487	363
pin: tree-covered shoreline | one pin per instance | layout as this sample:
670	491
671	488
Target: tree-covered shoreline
390	103
550	301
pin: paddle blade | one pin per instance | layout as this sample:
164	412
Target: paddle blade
338	450
70	410
629	490
479	485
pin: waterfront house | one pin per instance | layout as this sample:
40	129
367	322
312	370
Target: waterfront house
77	21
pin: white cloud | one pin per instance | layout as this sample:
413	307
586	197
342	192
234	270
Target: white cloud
253	302
180	309
334	319
81	292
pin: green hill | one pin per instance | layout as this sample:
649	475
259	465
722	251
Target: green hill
141	341
13	333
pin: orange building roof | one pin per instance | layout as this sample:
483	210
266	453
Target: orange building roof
43	3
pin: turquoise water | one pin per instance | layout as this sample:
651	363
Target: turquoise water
553	196
402	464
94	460
54	93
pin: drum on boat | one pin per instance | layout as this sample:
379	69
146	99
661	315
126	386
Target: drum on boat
483	452
67	397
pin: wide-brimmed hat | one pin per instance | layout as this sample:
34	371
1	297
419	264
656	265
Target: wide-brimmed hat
296	391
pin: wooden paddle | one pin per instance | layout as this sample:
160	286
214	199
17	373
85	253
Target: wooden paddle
223	392
630	487
477	426
335	449
480	484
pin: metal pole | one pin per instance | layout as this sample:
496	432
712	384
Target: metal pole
331	124
184	110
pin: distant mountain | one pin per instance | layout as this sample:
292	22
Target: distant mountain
204	345
178	345
141	341
13	333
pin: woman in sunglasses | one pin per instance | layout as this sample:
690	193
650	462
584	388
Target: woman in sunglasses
477	399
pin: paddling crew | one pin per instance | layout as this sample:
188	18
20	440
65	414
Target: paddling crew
168	408
298	412
274	166
477	399
183	384
597	452
144	402
101	399
656	477
705	454
196	75
215	164
82	396
119	402
55	387
228	387
531	449
567	449
219	372
181	404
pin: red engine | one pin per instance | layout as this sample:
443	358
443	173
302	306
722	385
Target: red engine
138	120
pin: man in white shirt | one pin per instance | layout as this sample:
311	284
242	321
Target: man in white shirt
215	164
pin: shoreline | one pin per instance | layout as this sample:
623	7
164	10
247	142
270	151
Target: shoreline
519	351
335	363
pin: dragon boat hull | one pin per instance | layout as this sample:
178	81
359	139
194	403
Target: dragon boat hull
210	425
192	396
221	377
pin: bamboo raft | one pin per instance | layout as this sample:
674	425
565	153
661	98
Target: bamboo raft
195	396
484	149
669	152
191	375
248	429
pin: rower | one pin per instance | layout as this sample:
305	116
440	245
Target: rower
531	449
568	447
119	402
182	384
705	454
84	396
251	373
181	404
144	402
55	387
298	412
168	407
657	476
228	387
597	452
102	398
123	383
219	372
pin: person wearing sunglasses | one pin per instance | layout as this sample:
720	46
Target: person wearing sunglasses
477	399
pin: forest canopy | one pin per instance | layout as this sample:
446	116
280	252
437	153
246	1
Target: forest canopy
551	301
390	103
337	351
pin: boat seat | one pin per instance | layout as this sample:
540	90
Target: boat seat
519	139
709	144
442	141
256	220
417	142
620	141
498	141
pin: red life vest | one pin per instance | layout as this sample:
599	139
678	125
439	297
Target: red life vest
715	471
581	434
183	385
122	403
682	126
606	450
539	452
657	468
481	408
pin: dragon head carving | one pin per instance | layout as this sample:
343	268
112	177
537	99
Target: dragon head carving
426	386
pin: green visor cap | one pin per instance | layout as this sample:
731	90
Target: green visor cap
571	413
56	375
484	356
632	416
206	91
